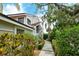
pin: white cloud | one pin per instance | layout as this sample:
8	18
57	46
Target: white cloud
11	9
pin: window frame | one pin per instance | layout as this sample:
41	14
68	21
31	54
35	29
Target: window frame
20	31
28	21
21	20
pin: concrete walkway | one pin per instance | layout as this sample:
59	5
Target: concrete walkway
47	50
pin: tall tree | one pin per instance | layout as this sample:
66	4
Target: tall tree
48	14
61	12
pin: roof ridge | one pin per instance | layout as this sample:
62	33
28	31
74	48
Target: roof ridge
22	13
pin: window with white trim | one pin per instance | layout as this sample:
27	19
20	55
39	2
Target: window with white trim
20	31
28	21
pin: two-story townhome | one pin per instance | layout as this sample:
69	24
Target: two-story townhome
30	20
36	23
14	24
20	23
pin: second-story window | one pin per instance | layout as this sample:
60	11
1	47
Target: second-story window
45	25
28	21
21	20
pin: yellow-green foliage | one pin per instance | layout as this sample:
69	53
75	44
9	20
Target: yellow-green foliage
20	44
39	42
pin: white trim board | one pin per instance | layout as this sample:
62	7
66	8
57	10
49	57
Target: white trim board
6	30
10	21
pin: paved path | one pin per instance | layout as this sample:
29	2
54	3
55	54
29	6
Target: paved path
47	50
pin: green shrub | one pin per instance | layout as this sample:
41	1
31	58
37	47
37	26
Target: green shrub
20	44
52	34
40	44
66	42
61	48
45	36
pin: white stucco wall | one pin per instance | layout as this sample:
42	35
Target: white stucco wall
6	27
11	28
33	19
45	28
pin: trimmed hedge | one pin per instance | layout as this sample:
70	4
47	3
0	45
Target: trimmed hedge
61	48
66	42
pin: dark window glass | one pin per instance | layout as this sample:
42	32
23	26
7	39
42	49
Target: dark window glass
28	21
37	29
21	20
20	31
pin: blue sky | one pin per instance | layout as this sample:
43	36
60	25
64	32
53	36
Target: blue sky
30	8
26	7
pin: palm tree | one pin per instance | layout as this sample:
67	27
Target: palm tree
16	4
